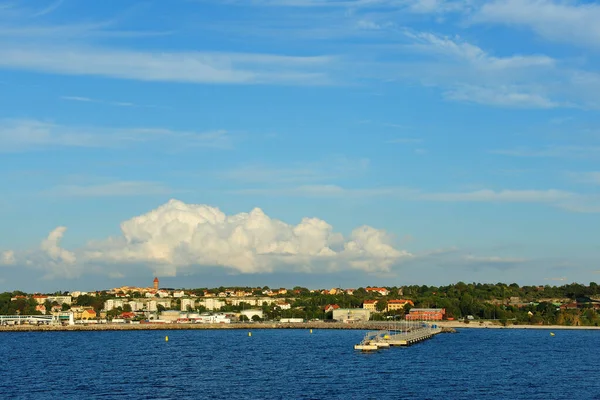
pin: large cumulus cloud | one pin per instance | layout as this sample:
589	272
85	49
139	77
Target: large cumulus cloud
179	236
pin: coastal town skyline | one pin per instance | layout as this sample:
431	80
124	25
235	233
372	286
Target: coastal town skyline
308	142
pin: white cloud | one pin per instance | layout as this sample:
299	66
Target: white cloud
21	135
179	236
7	258
570	21
52	259
191	67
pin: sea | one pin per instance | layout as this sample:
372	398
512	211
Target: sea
297	364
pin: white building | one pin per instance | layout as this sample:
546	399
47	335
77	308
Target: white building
170	315
349	315
185	303
212	304
153	304
251	313
137	305
59	299
111	304
213	319
178	293
292	320
284	305
253	301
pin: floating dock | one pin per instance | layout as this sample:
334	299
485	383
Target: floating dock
411	334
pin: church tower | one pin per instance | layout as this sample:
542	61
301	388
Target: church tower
155	283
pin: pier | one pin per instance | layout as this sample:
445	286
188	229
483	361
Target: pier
403	334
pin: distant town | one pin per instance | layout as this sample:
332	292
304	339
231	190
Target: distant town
574	304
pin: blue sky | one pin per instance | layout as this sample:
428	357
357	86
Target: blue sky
383	142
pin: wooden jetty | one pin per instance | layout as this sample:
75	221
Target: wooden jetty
384	339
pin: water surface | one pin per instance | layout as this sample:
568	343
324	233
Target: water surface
294	364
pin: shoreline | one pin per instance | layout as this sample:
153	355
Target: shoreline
449	325
491	325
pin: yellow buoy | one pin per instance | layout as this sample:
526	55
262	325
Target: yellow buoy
249	334
551	333
311	331
166	338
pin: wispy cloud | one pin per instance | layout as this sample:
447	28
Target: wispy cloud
499	96
110	103
556	151
191	67
590	177
334	168
573	22
23	135
417	6
49	9
566	200
405	141
111	189
495	259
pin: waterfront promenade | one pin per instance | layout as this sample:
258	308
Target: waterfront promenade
447	326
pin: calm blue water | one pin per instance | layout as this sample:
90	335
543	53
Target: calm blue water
293	364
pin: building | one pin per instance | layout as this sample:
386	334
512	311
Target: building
188	303
398	304
40	298
212	319
426	314
252	313
283	305
155	283
60	299
370	305
291	320
88	313
379	290
350	315
137	305
331	307
212	303
169	315
111	304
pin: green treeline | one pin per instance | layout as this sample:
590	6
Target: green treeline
505	303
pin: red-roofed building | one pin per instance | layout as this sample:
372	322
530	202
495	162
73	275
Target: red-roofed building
127	315
426	314
399	304
370	305
331	307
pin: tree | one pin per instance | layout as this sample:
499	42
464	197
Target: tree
65	307
256	318
160	308
127	307
381	305
244	318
